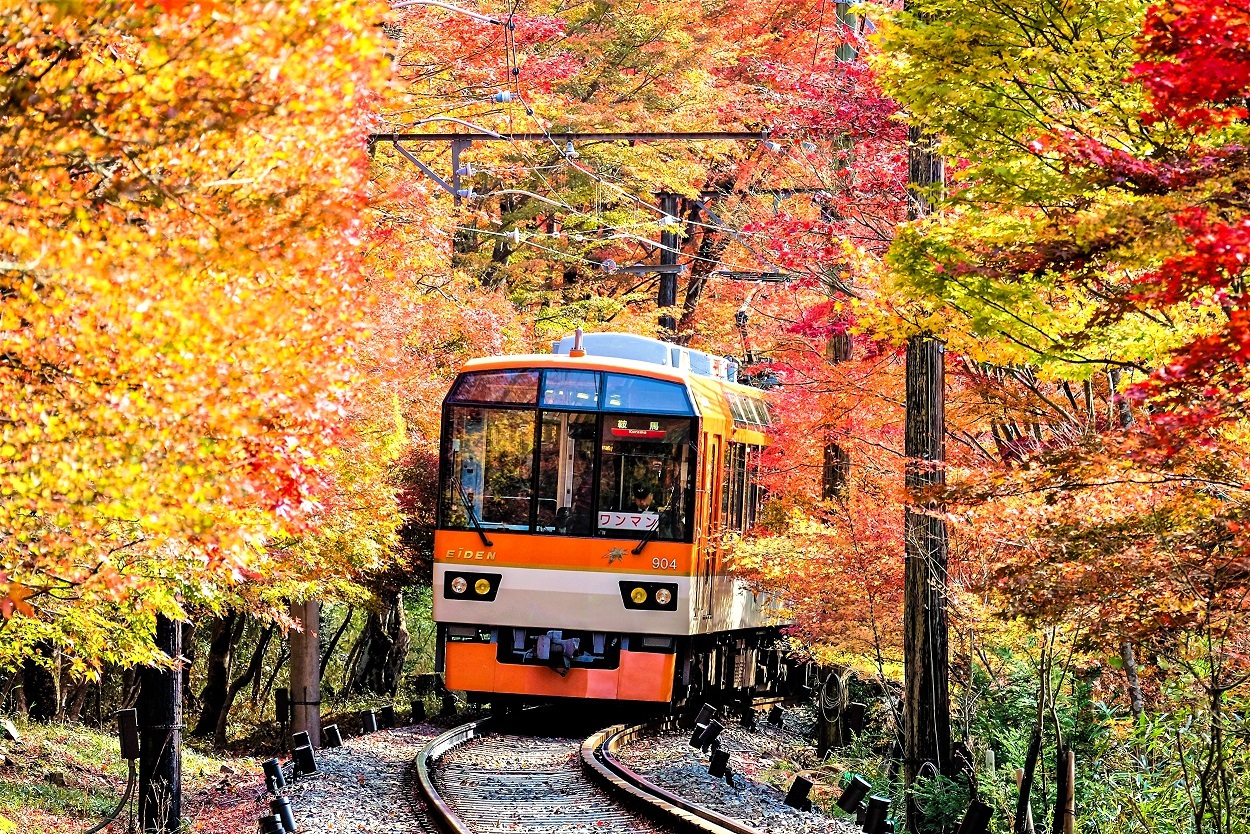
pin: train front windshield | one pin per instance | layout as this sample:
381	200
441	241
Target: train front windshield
575	453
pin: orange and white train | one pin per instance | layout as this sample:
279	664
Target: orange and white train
583	500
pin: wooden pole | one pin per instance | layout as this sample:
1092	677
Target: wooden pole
926	723
306	671
159	715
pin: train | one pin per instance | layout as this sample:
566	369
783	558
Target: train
583	501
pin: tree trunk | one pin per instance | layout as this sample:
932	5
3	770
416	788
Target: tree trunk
383	646
188	646
1024	809
305	671
1136	701
39	685
252	670
132	685
20	707
160	737
837	469
711	246
1024	806
75	698
13	684
334	641
284	654
1061	789
217	673
836	475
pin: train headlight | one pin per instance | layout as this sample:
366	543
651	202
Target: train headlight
649	596
470	586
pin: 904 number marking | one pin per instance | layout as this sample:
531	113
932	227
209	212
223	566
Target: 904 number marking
664	564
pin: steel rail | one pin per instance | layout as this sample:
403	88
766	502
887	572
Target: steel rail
599	764
444	816
598	759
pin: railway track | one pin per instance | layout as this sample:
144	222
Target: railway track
485	778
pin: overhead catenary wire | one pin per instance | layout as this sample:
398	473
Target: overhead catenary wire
528	236
512	69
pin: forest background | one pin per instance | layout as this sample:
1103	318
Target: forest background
228	320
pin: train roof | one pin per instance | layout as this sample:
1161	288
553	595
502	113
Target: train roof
629	353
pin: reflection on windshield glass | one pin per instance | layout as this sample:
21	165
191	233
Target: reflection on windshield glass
566	461
491	466
645	475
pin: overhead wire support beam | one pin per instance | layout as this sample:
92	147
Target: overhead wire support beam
425	169
769	192
760	277
649	269
702	136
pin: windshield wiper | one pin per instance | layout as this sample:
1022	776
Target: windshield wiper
477	525
650	534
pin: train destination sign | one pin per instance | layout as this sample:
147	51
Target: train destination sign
628	521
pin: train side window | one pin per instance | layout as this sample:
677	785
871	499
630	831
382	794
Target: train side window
754	493
566	462
757	411
490	468
513	387
731	513
766	415
641	395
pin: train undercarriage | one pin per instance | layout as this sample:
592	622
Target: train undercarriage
508	668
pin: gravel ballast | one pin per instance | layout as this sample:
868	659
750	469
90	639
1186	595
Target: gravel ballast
367	785
669	761
364	786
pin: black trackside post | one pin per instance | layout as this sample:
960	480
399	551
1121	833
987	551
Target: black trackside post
160	736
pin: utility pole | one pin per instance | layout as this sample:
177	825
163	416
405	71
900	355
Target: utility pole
159	711
668	258
306	671
926	716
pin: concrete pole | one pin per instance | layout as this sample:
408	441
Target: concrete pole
306	670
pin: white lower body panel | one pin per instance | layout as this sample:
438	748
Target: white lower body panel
564	599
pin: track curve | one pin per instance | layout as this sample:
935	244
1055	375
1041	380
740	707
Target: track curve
480	779
477	779
598	756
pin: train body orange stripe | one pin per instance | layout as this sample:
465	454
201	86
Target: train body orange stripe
641	676
461	547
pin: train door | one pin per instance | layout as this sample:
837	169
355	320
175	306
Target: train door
708	540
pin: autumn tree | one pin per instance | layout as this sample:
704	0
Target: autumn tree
182	206
1089	268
